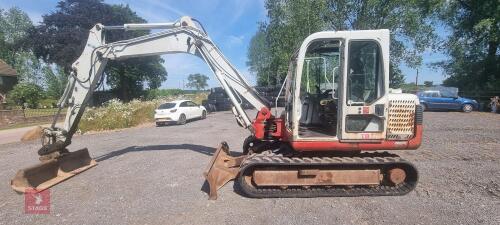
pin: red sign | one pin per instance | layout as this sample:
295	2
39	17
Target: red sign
366	110
36	202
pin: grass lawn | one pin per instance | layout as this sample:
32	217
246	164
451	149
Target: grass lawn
40	112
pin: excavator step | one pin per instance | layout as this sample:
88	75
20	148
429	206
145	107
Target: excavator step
271	175
52	171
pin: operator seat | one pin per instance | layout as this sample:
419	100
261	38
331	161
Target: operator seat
310	107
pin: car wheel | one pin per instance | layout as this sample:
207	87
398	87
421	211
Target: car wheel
424	107
182	119
203	115
158	124
467	108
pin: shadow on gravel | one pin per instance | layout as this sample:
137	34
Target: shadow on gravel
205	187
196	148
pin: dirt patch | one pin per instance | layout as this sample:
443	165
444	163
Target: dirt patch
34	134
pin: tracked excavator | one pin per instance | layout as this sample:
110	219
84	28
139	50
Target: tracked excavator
339	113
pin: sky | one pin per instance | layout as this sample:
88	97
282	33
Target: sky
230	23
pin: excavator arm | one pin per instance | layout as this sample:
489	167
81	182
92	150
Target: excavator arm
182	36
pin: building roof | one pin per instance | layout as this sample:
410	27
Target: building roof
6	70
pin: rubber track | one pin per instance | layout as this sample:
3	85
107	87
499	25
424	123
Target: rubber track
360	161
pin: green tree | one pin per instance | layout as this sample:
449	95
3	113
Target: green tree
396	77
258	57
55	81
290	22
28	93
428	83
474	58
29	68
62	35
15	26
197	81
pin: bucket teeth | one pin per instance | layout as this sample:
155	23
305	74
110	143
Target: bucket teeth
52	171
221	169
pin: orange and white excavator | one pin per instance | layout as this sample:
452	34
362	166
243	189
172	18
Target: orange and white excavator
339	111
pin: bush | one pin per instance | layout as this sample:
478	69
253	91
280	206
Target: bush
115	115
159	93
199	97
28	93
47	103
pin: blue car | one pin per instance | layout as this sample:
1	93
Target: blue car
440	100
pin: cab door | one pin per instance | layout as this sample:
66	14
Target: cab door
364	91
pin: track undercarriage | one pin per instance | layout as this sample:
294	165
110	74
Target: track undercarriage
292	174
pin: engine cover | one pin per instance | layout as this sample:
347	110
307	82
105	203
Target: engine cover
401	116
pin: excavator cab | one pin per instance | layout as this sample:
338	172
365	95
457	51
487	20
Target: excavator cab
339	89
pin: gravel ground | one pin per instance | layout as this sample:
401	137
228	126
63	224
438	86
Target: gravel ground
153	175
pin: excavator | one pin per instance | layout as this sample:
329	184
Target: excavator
325	142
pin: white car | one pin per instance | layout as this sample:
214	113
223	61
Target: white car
179	111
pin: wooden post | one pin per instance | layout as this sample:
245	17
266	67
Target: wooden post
416	82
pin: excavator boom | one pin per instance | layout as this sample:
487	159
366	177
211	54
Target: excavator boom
183	36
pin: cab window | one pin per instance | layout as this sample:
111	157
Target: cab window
320	72
365	84
365	81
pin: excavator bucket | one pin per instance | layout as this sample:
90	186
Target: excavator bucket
52	171
221	169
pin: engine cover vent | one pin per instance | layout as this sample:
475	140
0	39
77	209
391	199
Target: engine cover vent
401	116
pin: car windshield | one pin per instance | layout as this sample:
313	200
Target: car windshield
167	106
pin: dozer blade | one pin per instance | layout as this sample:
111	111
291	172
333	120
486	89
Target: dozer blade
221	169
53	171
